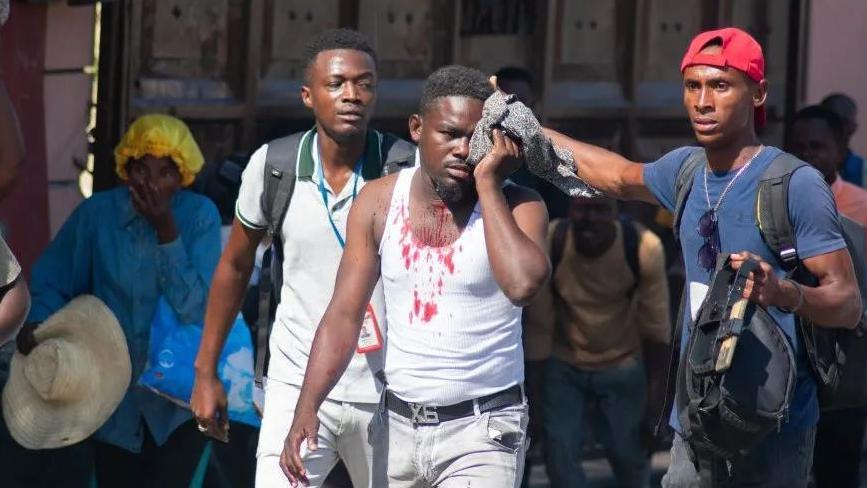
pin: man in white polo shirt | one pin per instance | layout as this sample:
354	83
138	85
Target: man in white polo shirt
460	251
332	163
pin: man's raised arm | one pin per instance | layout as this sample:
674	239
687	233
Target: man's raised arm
605	170
337	335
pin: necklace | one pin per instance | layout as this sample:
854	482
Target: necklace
725	191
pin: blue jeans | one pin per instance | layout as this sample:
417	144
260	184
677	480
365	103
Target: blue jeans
618	393
782	460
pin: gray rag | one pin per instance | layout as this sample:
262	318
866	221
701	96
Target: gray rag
544	159
4	11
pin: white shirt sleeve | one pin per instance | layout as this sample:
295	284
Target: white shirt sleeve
248	209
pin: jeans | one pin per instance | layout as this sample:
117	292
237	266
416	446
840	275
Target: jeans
618	393
782	460
485	450
342	434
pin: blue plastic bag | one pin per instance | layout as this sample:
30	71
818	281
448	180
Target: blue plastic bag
173	350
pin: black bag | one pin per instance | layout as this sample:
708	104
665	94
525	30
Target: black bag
737	373
280	175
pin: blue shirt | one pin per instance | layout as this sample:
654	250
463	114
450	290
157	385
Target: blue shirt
853	169
107	249
814	219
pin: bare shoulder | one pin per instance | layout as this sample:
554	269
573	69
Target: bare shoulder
374	201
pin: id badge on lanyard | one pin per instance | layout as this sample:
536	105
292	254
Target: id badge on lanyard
369	338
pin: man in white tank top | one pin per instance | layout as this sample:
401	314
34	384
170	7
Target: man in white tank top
459	251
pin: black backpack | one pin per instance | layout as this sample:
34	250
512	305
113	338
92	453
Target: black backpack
630	246
737	375
280	166
838	357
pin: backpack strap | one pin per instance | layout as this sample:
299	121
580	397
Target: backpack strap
683	185
558	243
279	176
630	249
281	160
772	209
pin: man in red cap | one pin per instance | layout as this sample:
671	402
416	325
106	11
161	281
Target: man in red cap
724	92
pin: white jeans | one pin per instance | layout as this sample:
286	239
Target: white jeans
343	434
482	451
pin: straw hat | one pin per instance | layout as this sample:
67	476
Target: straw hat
69	385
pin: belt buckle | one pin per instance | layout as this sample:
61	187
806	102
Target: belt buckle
423	414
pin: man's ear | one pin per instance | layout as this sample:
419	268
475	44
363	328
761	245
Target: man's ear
306	98
760	94
415	125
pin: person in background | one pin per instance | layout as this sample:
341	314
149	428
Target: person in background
149	238
852	167
601	337
818	136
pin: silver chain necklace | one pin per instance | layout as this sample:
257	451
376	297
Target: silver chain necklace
725	191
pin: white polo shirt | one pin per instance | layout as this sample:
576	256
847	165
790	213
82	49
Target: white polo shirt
311	257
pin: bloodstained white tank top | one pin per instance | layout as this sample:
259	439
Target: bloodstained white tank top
452	334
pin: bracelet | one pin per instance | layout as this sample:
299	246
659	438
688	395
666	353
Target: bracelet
800	297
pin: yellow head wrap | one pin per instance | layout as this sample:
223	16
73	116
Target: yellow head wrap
160	136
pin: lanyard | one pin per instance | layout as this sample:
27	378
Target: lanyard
324	194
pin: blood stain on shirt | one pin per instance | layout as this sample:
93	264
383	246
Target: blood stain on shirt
435	248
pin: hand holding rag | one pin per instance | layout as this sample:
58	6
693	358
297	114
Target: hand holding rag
544	159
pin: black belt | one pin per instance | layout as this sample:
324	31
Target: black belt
426	414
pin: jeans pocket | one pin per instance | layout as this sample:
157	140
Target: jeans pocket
507	429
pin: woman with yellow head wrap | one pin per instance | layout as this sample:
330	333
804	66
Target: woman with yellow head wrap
156	157
131	246
160	136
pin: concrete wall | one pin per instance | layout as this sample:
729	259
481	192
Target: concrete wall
836	42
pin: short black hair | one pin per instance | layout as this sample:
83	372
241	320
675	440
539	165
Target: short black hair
834	122
335	39
514	73
454	81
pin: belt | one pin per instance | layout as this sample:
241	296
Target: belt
420	414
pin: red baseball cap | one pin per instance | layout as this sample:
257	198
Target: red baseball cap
739	50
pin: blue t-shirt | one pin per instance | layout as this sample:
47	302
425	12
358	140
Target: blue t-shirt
814	220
